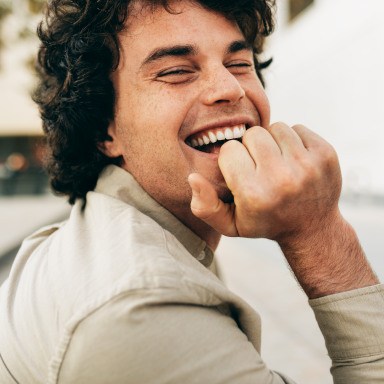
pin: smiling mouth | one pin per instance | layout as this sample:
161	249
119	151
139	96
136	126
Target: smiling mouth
210	141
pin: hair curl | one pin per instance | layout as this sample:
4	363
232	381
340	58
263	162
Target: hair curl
79	51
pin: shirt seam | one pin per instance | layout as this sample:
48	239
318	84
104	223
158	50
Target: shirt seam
8	370
57	362
353	297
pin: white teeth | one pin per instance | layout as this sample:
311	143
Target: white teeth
212	137
228	134
220	135
235	132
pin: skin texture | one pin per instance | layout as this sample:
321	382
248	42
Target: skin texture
281	183
288	191
162	102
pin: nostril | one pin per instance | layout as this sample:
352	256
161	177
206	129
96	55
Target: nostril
222	101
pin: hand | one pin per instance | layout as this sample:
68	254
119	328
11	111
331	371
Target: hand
285	182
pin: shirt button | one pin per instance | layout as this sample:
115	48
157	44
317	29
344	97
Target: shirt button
201	256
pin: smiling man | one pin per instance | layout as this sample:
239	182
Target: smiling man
159	133
179	97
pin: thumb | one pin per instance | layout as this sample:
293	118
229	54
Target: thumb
207	206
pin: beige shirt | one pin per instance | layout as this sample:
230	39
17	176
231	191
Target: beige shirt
122	293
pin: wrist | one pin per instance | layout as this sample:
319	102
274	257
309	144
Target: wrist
327	258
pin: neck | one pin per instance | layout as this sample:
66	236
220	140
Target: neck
203	230
199	227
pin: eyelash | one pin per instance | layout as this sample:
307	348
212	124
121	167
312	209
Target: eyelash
240	65
174	72
184	71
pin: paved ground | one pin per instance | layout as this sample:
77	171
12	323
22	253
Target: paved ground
254	269
291	341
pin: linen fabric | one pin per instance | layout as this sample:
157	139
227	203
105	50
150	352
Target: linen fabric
122	292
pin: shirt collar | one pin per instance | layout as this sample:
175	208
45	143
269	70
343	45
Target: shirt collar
120	184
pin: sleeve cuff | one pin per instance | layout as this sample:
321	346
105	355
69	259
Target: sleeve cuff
352	322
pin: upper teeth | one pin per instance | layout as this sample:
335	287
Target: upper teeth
225	133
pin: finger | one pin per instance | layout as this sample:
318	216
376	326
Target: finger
320	150
261	146
309	138
289	142
236	165
207	206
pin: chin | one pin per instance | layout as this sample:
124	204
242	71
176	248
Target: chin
222	189
225	195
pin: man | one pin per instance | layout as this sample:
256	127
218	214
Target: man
122	291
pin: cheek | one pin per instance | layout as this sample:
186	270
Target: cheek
167	104
256	94
167	112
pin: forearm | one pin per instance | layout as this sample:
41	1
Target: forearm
328	259
286	185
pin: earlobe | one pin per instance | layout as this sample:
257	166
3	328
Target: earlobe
111	146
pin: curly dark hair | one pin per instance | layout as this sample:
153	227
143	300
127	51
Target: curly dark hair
79	51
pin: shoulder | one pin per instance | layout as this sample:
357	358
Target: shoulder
156	336
112	250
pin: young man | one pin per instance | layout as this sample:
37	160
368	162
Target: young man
122	291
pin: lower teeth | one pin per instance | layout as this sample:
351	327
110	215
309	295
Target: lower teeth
209	148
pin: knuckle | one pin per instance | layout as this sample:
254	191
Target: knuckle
277	127
328	156
299	127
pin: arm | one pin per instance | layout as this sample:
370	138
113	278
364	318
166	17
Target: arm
131	341
286	184
353	328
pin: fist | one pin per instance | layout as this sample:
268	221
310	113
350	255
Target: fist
285	181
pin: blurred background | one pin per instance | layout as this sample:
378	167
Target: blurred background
327	73
25	200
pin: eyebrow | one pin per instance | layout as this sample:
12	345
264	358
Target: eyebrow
239	45
190	50
172	51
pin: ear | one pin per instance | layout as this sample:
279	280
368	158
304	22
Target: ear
111	146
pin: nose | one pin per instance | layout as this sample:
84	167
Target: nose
222	87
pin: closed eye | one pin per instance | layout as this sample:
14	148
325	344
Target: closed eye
239	68
174	72
240	65
176	75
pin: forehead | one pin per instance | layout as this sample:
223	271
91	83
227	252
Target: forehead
186	20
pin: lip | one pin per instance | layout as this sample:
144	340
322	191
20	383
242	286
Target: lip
217	124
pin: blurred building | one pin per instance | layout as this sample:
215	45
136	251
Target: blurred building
328	74
21	142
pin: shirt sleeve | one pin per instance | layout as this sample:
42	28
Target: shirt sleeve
352	324
168	343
